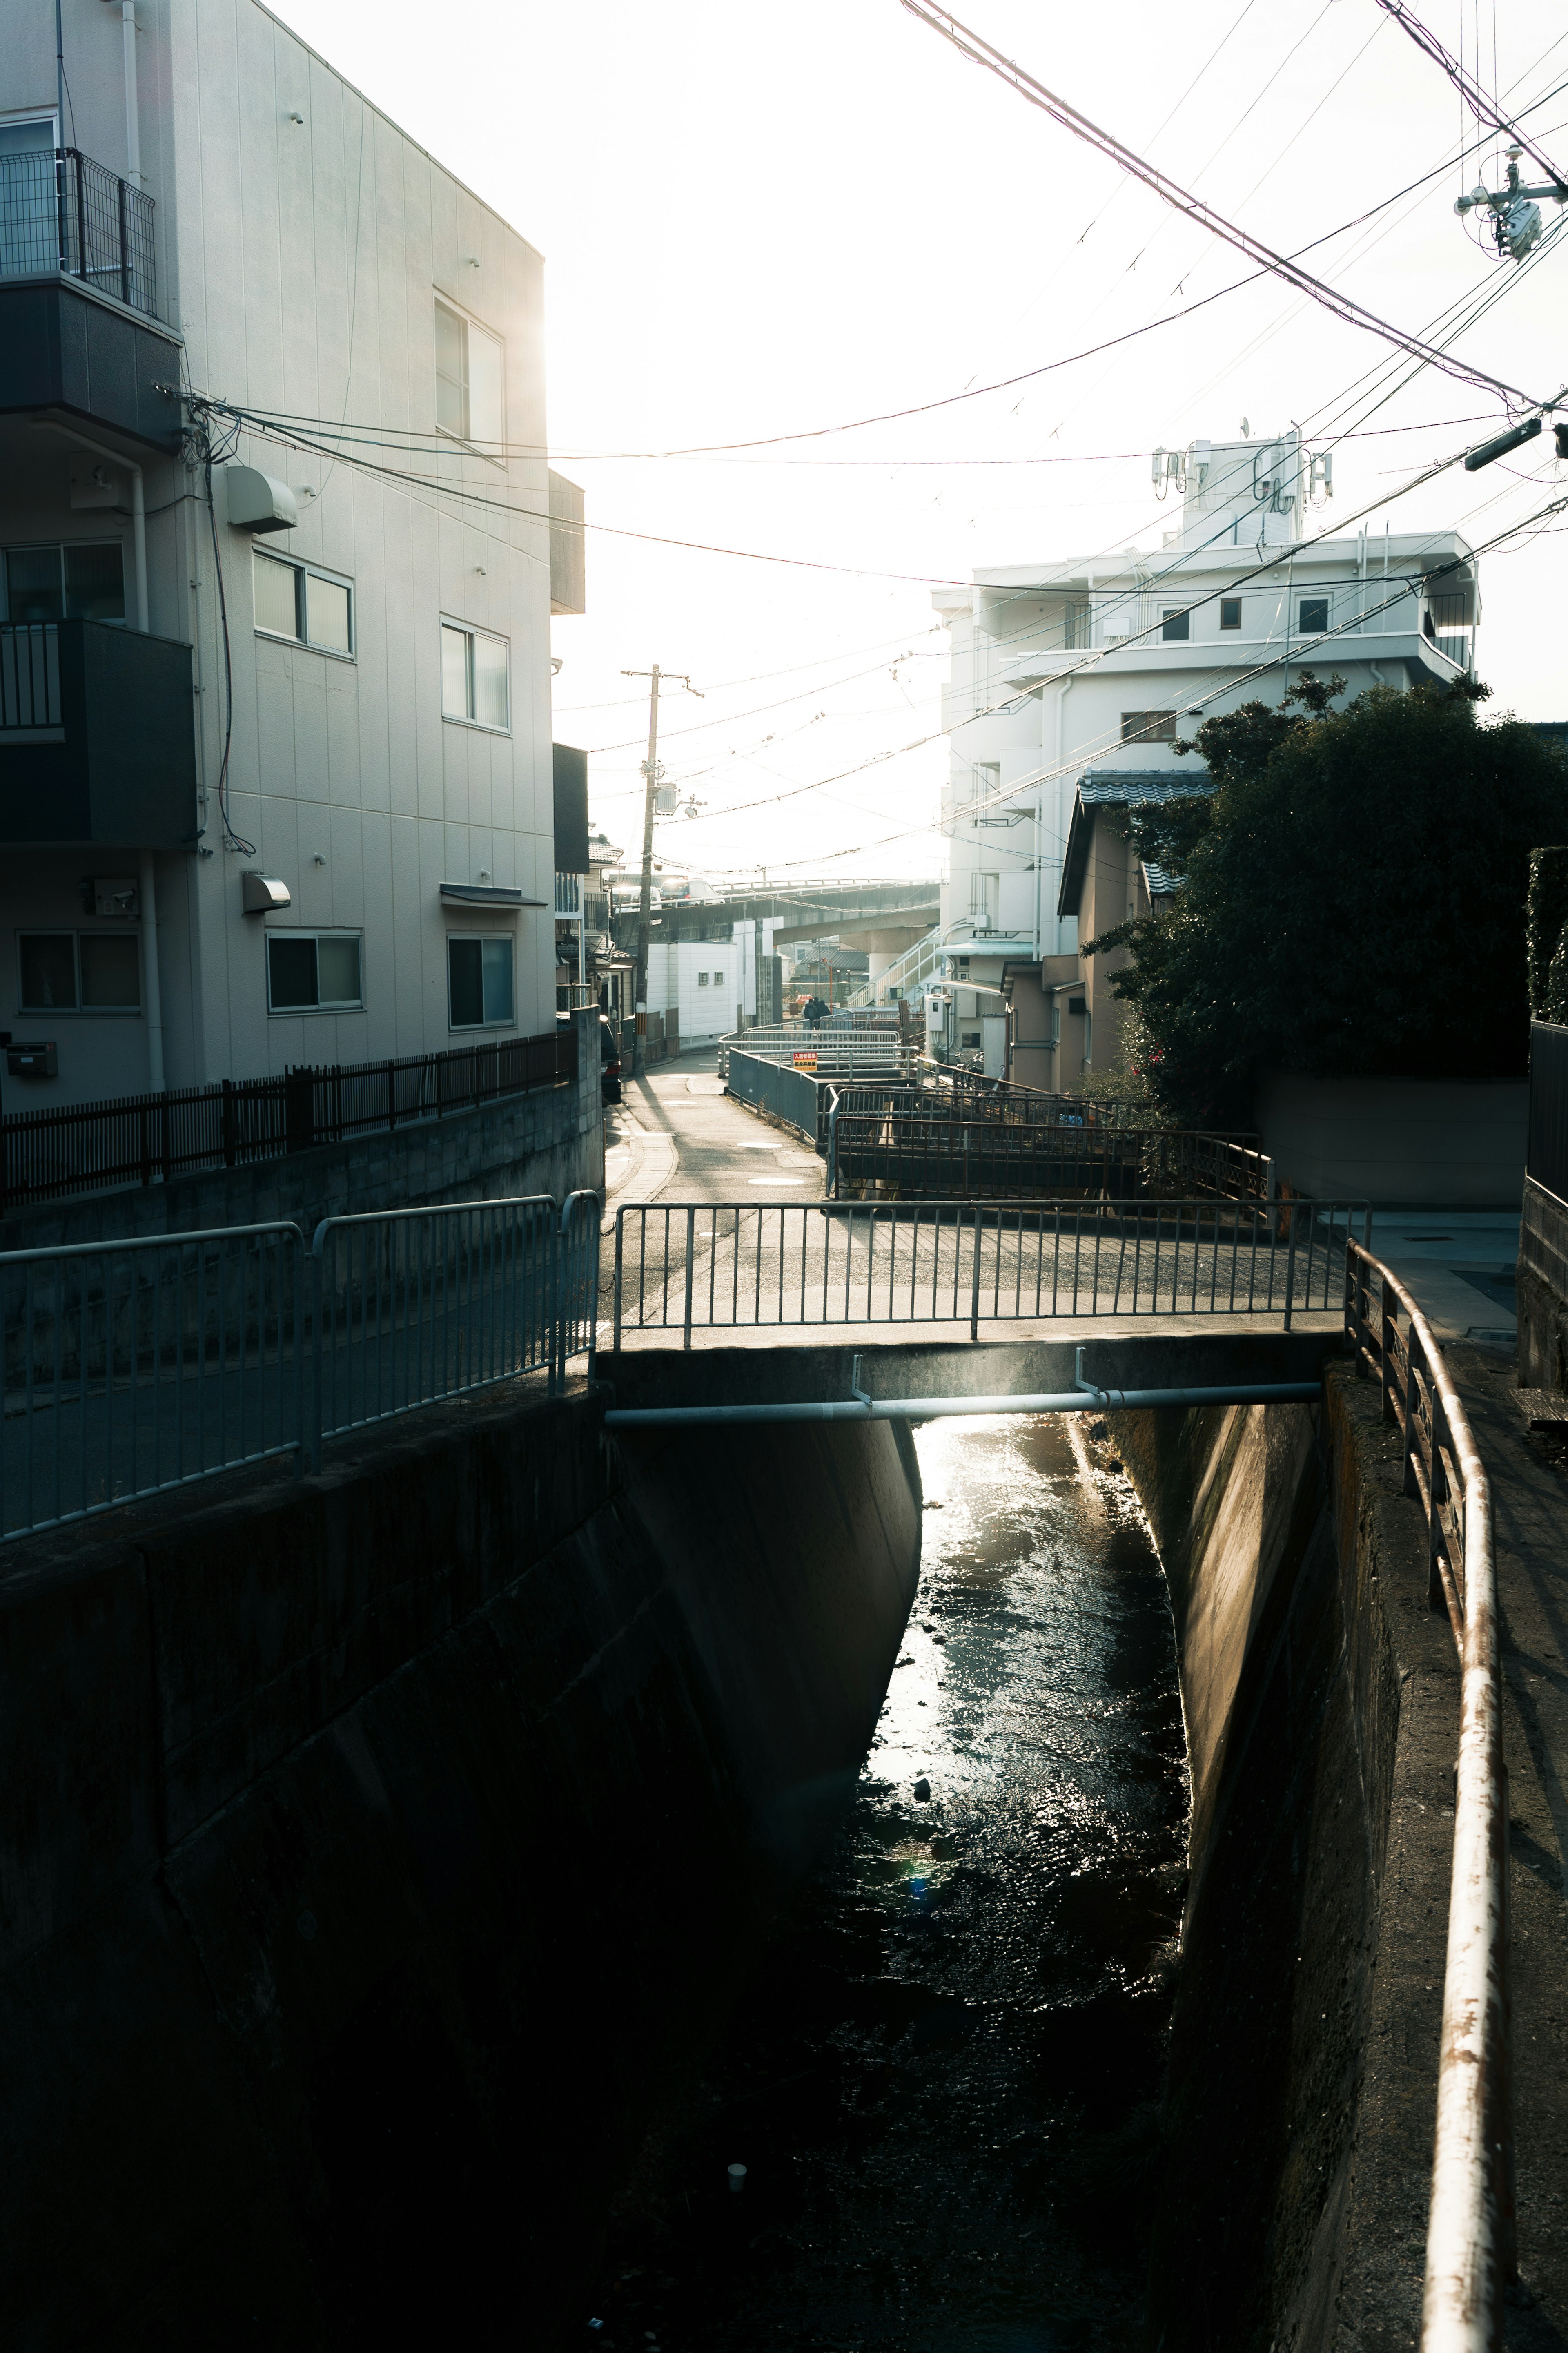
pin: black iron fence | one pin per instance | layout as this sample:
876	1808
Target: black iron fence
61	211
142	1139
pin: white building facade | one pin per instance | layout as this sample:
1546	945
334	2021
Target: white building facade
1063	671
275	743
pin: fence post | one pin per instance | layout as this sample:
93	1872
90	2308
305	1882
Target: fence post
559	1242
690	1254
1289	1273
300	1434
144	1137
226	1108
620	1233
124	250
974	1286
316	1347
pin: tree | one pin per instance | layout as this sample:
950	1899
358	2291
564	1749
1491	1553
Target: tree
1353	899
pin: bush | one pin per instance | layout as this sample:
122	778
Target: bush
1354	898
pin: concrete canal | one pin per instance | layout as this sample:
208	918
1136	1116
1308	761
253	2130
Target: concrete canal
943	2074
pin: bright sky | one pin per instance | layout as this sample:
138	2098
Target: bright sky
760	221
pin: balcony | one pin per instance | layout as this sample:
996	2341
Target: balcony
78	297
569	894
62	213
97	737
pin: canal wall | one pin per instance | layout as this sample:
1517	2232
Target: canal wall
1321	1694
378	1847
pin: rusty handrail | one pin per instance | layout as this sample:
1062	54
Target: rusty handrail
1471	2249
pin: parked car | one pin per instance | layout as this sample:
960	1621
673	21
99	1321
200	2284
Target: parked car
609	1061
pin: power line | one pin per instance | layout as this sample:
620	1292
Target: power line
1341	306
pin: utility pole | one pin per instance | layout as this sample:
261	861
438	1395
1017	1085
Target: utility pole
644	901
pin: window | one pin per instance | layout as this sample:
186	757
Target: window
313	971
474	677
1176	625
702	980
478	982
1148	726
1230	612
81	583
469	402
294	600
86	971
1314	613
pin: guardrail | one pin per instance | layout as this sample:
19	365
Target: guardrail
130	1367
738	1264
1470	2254
945	1155
142	1139
798	1096
840	1040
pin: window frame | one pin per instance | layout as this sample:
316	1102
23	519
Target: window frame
74	1011
1134	732
1306	628
302	570
1230	605
466	438
471	630
315	933
467	1029
1175	624
60	548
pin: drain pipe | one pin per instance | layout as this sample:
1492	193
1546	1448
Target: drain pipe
151	993
860	1407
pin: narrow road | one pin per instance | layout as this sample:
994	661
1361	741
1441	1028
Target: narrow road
678	1137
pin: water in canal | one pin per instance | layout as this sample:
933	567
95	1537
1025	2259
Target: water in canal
941	2078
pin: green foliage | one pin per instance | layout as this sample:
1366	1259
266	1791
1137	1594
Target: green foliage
1129	1080
1354	902
1545	931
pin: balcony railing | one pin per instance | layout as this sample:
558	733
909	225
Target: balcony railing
568	894
59	211
96	739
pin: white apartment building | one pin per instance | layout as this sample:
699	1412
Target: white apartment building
1086	669
274	739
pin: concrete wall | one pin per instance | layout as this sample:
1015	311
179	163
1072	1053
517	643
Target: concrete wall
377	1845
1437	1143
552	1140
1321	1701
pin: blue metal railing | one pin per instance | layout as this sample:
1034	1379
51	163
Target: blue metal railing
130	1367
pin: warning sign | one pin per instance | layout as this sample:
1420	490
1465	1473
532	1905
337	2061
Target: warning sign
805	1057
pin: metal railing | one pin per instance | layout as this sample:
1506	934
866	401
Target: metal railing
736	1265
142	1139
831	1047
568	894
1470	2224
29	677
59	211
798	1096
905	973
132	1367
943	1153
